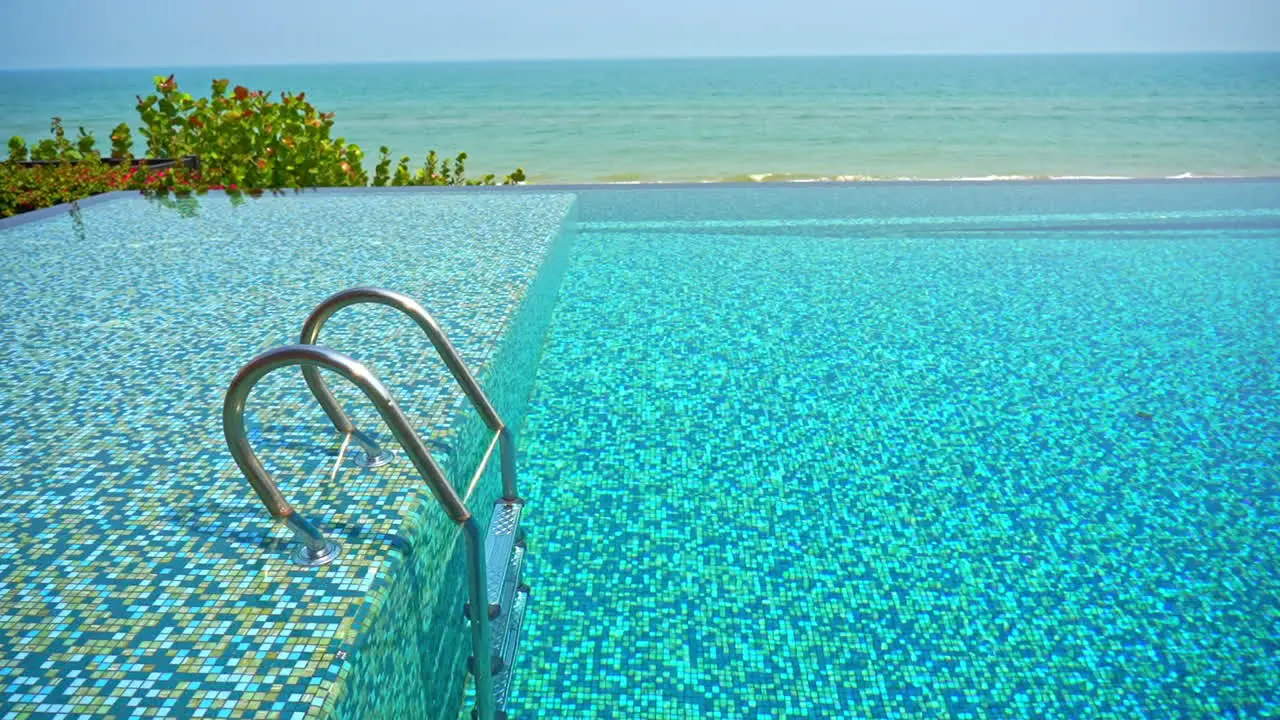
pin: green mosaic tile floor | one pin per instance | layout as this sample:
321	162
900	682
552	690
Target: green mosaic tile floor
992	467
139	575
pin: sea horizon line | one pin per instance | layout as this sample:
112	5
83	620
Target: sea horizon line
653	58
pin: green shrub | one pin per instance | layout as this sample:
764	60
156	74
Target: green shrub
382	173
244	141
122	142
17	149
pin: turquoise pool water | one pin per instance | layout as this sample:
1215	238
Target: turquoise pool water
910	452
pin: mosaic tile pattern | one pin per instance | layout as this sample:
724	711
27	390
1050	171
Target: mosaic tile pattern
421	647
968	470
139	576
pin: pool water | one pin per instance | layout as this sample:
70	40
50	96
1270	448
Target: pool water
865	462
863	450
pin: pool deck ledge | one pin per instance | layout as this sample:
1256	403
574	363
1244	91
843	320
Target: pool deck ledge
139	575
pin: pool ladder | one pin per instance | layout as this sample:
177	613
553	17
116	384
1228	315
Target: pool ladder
498	598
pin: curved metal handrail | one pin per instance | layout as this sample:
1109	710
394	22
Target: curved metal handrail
315	356
440	341
318	550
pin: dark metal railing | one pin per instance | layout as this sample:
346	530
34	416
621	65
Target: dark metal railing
190	162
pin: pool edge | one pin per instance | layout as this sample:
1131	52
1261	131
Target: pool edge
419	603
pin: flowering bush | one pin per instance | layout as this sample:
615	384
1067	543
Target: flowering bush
242	140
247	139
23	189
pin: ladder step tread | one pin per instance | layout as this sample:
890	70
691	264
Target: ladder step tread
511	641
499	625
498	545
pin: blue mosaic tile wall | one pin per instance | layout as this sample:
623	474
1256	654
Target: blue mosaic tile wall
139	576
1014	456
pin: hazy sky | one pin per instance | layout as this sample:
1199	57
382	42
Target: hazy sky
90	33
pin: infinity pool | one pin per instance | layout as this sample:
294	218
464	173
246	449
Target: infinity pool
908	453
885	450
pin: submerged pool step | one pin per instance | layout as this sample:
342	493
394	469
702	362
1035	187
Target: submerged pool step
499	623
502	679
507	595
504	528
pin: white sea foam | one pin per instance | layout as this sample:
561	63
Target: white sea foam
761	177
1092	177
1194	176
993	178
855	178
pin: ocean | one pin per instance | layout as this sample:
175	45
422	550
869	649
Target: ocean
904	117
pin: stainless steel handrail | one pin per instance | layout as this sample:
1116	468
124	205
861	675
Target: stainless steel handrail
435	333
316	548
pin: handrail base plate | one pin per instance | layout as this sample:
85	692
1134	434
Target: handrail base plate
361	459
303	555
